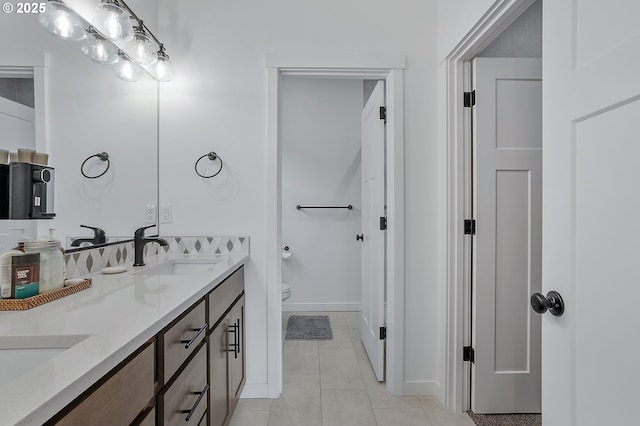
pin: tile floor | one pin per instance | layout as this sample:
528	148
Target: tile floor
330	383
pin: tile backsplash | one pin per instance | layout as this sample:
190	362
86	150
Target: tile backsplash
92	260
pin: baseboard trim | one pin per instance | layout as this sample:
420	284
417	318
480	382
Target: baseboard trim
422	388
321	307
255	390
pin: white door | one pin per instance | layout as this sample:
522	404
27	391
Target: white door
373	239
591	98
507	252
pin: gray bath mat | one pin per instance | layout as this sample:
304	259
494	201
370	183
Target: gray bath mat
304	327
505	419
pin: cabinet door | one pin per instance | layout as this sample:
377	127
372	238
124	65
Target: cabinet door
236	354
218	373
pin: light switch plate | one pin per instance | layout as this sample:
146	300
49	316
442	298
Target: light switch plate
166	214
150	214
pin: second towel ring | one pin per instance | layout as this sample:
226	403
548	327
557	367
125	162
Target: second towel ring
102	156
213	157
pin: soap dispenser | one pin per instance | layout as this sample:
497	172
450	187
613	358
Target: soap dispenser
22	239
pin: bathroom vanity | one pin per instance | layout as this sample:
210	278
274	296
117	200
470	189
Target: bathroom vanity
163	344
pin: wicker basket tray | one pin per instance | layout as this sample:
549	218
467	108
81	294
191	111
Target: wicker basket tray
41	299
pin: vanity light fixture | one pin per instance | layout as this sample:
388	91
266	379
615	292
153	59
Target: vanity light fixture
113	21
162	69
99	49
126	70
140	48
111	38
61	21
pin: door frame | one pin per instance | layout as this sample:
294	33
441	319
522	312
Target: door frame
501	14
375	67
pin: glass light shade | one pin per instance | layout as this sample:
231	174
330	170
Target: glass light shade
61	21
127	70
162	70
112	21
141	49
98	49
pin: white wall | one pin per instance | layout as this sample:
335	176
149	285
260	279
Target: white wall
90	111
218	102
455	20
321	166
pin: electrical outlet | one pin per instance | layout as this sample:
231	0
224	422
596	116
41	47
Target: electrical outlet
150	214
166	215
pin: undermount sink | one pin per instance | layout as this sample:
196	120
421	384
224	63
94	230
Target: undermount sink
20	354
180	267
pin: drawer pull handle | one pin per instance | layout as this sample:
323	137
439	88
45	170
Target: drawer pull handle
235	346
239	339
195	337
200	394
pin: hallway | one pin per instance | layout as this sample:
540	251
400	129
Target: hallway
330	383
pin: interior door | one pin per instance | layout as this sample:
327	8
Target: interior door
590	238
507	145
373	239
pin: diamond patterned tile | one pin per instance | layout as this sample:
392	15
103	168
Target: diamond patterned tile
92	260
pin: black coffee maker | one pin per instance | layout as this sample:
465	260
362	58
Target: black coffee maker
26	191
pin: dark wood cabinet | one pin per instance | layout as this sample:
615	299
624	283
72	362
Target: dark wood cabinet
193	367
226	348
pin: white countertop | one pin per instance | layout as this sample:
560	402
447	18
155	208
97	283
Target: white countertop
118	312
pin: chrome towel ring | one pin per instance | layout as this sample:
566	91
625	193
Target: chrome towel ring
102	156
213	157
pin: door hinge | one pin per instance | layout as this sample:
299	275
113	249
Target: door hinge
383	223
470	227
383	113
468	354
383	333
469	99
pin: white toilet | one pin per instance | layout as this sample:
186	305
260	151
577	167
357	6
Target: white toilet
286	288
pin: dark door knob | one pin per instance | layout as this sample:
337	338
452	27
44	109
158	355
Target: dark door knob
553	303
360	237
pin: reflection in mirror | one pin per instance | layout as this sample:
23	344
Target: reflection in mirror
85	110
17	121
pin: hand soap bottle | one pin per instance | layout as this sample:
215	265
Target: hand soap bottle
22	239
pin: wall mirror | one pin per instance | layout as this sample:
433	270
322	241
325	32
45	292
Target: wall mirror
81	108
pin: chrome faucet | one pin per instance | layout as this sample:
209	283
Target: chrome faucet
99	237
139	241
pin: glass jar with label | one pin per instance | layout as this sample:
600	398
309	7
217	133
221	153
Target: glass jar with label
51	263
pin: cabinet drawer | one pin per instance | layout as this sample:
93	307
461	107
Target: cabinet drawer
188	395
181	339
223	296
122	397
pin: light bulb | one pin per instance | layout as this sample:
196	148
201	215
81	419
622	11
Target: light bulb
98	49
162	70
112	21
127	70
61	21
141	49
